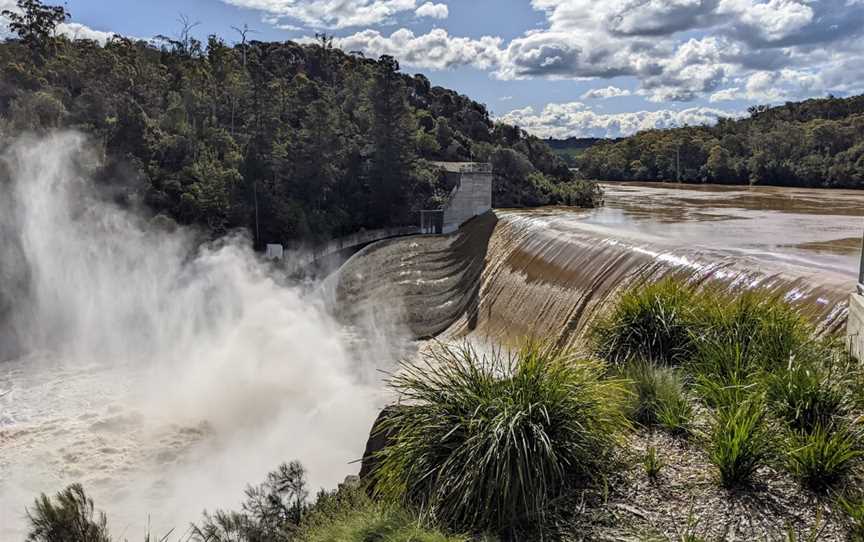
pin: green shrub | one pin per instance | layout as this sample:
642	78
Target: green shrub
739	441
653	323
485	442
853	506
652	463
271	511
766	330
823	457
807	394
374	523
658	396
69	516
722	372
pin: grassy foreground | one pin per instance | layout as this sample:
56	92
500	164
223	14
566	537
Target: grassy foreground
699	417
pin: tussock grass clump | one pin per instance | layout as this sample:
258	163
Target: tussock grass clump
765	329
853	506
740	441
723	373
653	322
659	397
652	463
823	457
808	393
486	442
70	515
742	339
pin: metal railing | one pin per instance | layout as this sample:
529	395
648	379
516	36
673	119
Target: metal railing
476	167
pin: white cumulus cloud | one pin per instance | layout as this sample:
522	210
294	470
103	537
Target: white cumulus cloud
683	50
574	120
435	11
435	50
71	30
604	93
334	14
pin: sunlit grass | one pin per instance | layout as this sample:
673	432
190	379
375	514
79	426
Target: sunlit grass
487	441
740	442
653	322
658	396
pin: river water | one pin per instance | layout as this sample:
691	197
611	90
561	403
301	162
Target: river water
165	377
816	228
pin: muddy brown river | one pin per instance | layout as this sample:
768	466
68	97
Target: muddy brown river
816	228
172	384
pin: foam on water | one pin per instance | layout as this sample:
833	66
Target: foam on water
161	374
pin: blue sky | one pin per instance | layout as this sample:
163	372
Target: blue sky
557	67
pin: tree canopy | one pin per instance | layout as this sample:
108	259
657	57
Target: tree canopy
315	141
815	143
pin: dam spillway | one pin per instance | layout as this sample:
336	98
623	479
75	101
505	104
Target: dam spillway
549	272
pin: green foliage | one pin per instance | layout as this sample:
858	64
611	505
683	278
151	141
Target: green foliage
824	456
816	142
36	22
70	516
653	322
658	397
37	111
652	463
740	339
375	522
489	441
765	328
272	511
808	393
289	141
740	441
853	506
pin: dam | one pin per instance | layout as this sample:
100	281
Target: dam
546	272
163	375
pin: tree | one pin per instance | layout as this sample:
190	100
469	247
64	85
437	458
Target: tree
393	134
34	22
718	164
69	516
244	33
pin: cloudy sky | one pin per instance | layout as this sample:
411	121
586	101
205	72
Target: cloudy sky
558	67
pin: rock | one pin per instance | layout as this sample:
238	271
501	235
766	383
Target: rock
378	440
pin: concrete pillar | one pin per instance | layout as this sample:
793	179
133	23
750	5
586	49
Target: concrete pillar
855	326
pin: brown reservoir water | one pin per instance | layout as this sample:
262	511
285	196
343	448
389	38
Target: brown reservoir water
548	272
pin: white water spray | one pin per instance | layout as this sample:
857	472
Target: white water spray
162	376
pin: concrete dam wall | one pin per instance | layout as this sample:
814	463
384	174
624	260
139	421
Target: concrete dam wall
511	274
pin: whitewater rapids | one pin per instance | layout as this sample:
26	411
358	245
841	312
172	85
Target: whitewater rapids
162	374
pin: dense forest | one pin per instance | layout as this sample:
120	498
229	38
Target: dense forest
321	142
817	142
572	148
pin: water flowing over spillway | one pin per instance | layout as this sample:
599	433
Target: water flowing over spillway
549	272
165	375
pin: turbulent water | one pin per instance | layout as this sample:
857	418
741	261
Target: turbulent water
548	272
165	376
162	376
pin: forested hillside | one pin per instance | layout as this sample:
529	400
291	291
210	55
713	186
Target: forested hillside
817	142
571	148
325	142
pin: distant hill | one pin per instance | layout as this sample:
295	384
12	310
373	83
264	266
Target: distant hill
813	143
313	141
571	148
